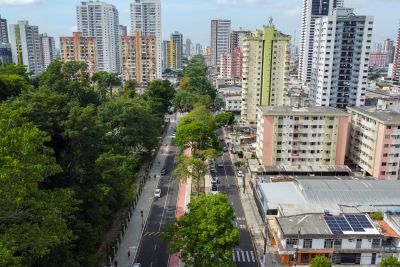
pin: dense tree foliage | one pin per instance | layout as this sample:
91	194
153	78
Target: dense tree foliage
194	87
225	118
71	146
320	261
205	235
390	262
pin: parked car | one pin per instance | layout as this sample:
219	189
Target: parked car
220	163
214	189
240	173
163	171
225	149
157	193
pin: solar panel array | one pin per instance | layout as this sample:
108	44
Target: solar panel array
349	222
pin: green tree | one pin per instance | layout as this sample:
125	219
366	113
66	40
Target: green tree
195	168
186	100
106	81
389	262
12	85
32	220
205	235
159	95
320	261
130	88
225	118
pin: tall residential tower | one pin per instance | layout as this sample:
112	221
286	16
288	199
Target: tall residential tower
220	32
3	31
342	43
266	57
312	9
396	60
100	20
48	50
146	18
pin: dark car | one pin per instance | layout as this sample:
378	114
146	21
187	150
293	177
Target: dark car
163	171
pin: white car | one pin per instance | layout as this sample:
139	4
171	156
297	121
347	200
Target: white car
157	193
240	174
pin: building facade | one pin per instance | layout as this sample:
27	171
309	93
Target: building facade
378	59
80	49
396	60
236	39
48	50
101	20
266	60
311	10
25	46
122	30
231	65
220	31
198	48
3	31
374	144
146	18
5	53
177	51
139	58
342	43
304	136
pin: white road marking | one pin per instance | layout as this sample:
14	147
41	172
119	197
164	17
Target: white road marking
244	259
252	256
238	255
165	204
247	256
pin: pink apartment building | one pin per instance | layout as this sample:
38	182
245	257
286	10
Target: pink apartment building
306	136
374	144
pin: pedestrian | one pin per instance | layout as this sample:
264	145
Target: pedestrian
155	176
115	263
129	253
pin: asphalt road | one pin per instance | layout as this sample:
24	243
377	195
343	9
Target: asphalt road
244	255
153	252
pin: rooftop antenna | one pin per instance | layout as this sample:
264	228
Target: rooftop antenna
270	22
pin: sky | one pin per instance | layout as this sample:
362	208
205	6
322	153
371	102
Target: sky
192	17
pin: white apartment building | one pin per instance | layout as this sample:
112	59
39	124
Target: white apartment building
25	45
225	66
220	34
146	18
342	42
48	50
312	9
100	20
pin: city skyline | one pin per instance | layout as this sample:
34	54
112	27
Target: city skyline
175	14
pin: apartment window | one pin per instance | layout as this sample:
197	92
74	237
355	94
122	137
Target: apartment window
386	145
383	163
385	155
376	243
307	243
291	242
328	243
337	243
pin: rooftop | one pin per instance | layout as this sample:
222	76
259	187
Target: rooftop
299	170
312	111
383	116
365	195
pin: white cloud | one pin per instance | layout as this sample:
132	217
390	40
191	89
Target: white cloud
73	28
256	2
225	2
20	2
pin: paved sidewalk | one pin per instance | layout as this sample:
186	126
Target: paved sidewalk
133	234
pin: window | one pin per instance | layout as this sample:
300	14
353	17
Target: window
337	243
328	243
291	242
376	243
307	243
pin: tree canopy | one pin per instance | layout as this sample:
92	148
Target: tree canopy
320	261
205	235
390	262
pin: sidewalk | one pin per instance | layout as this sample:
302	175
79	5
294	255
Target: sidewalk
134	230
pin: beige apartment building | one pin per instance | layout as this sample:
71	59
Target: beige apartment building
303	136
374	144
80	49
266	57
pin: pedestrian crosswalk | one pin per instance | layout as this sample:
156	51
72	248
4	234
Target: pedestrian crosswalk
152	234
243	256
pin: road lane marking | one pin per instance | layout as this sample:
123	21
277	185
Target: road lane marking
252	256
243	255
165	204
238	255
247	256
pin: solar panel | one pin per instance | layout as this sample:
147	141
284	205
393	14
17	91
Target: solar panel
358	222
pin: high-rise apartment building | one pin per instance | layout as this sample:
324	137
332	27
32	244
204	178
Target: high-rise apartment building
3	31
138	58
198	49
146	18
236	39
266	60
100	20
48	50
342	42
306	136
374	144
122	30
81	49
173	52
231	65
220	32
188	50
389	48
396	60
5	53
312	9
25	45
